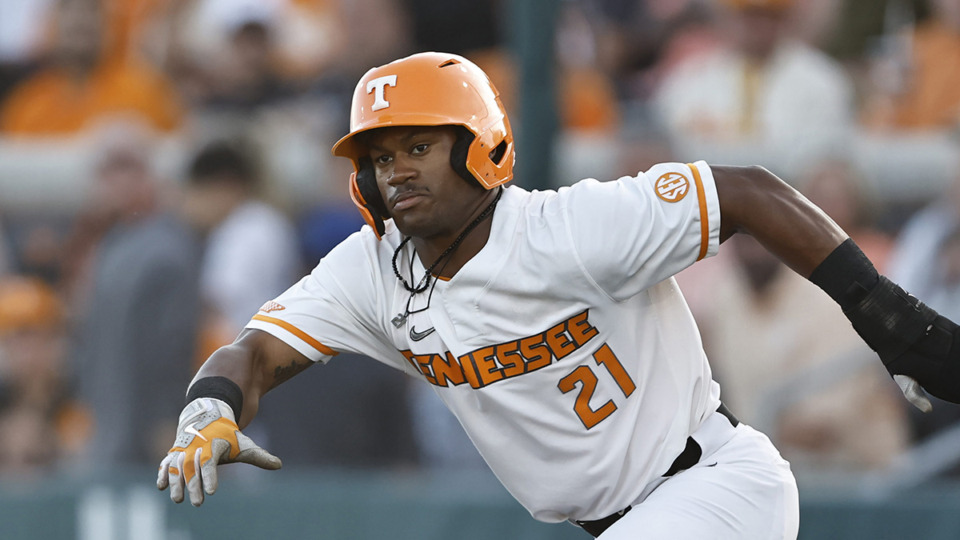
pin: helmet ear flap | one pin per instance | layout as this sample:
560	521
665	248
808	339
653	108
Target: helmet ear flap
367	185
458	154
366	195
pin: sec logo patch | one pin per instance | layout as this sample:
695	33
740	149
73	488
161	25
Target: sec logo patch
672	187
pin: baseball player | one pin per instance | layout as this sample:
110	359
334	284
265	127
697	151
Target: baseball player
548	322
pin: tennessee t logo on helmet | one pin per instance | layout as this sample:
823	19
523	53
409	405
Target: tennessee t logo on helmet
428	89
376	86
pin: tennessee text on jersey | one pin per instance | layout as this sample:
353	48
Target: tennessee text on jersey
488	365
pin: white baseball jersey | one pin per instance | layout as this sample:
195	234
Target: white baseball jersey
564	347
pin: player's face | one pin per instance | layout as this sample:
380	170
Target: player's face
424	195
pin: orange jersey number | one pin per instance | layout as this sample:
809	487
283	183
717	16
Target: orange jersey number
587	379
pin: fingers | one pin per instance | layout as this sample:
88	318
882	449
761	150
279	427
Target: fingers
176	477
186	471
219	449
260	458
254	455
913	392
195	483
163	475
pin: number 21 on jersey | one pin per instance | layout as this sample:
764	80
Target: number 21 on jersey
586	376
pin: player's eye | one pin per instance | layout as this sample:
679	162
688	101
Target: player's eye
420	148
381	159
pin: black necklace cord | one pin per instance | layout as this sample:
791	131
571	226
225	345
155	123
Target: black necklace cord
425	280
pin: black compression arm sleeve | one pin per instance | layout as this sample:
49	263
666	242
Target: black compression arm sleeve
846	274
909	337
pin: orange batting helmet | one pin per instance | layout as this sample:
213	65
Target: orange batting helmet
428	89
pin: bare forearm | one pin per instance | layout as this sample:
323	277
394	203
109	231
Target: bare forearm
756	202
237	364
257	363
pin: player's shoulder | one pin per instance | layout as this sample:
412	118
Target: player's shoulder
362	249
530	205
648	177
537	208
667	182
661	175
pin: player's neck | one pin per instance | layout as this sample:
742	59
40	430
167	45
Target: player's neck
468	248
430	249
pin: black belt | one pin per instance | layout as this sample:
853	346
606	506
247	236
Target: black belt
688	458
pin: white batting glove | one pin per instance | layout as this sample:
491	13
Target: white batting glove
207	436
913	392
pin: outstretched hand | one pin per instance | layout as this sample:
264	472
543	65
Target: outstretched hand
207	436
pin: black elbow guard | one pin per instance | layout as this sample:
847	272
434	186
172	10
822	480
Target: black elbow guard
911	338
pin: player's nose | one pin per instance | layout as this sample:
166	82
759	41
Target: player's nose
403	170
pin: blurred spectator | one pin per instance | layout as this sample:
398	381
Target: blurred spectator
917	77
230	46
82	82
22	27
482	40
306	35
635	45
587	101
434	25
837	187
251	252
637	42
38	248
33	392
945	275
312	37
791	363
764	98
917	261
856	26
269	72
377	32
248	78
138	331
588	98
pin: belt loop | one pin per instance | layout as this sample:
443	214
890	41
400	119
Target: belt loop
722	409
688	458
596	527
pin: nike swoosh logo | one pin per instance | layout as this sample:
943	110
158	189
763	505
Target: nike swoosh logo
417	336
193	431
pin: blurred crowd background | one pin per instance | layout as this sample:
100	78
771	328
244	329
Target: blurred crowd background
165	170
